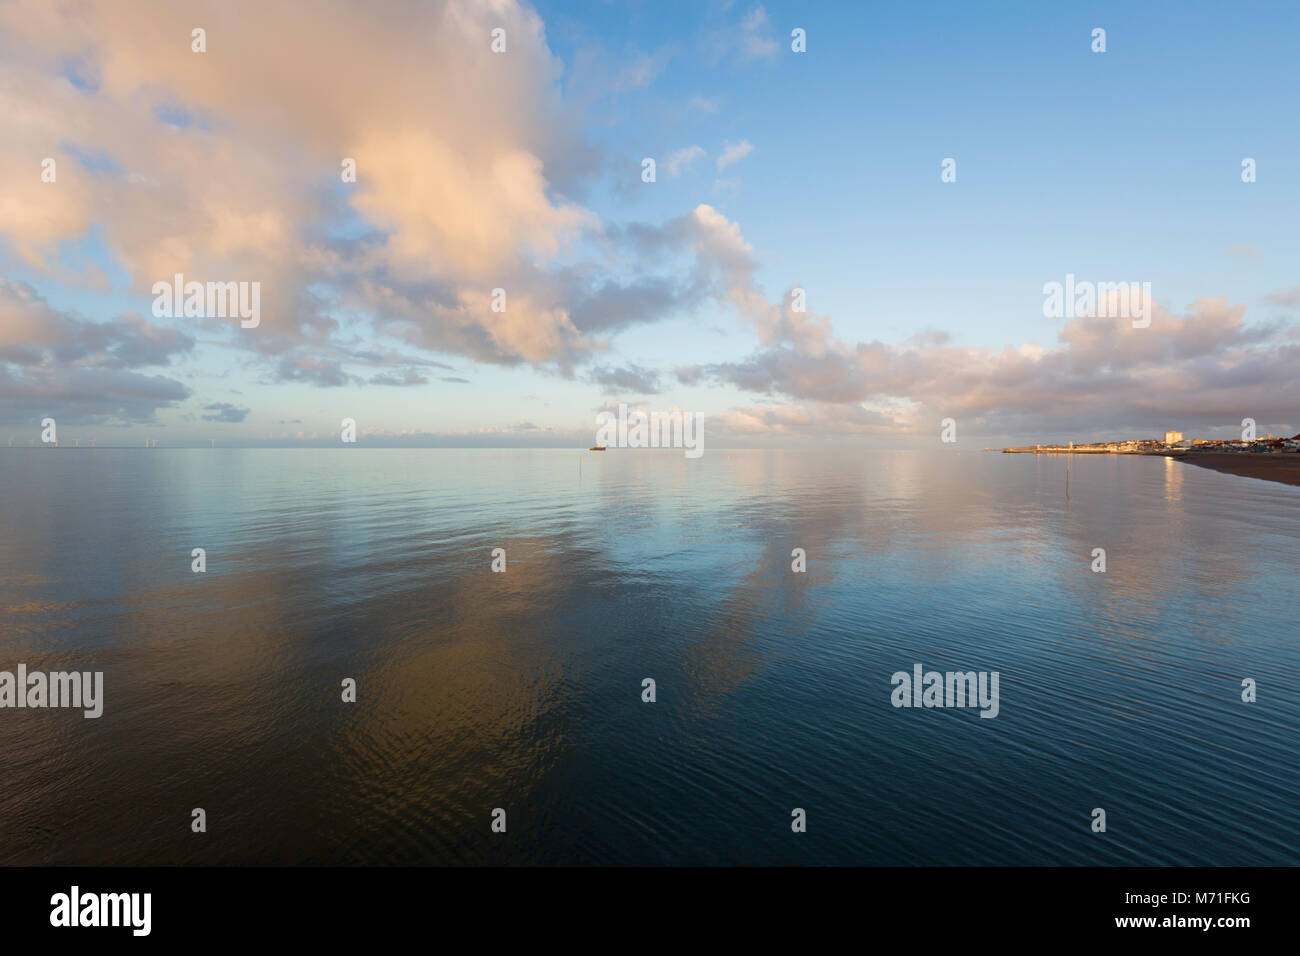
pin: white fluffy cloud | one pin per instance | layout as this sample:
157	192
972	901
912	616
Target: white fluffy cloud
226	164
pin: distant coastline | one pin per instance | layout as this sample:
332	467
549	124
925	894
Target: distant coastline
1268	459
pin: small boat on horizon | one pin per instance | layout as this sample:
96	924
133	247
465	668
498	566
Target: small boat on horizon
596	448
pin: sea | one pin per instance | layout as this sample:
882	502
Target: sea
503	716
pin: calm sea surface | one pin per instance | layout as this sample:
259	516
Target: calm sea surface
523	690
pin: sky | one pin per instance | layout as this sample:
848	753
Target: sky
782	178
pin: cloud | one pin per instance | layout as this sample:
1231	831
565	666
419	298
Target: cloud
1289	296
225	412
408	377
754	38
1204	365
79	395
327	373
640	69
595	74
749	39
53	363
681	160
234	162
733	153
809	419
703	104
227	168
32	333
633	378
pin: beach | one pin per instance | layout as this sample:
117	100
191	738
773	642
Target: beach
1281	468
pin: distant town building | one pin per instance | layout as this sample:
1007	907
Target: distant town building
1173	437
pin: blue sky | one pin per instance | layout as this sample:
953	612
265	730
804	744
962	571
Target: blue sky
1119	164
926	296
